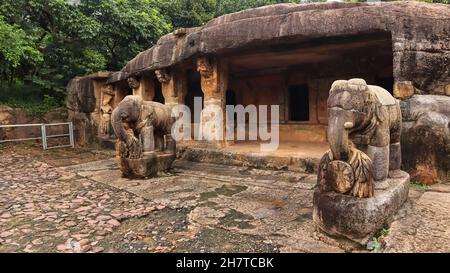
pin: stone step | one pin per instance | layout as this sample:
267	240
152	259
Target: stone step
306	164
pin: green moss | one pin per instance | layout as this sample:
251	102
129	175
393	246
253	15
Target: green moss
419	185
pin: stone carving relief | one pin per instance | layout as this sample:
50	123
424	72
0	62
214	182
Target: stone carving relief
144	144
205	68
106	110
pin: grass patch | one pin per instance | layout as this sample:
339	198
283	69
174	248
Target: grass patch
419	185
377	242
28	98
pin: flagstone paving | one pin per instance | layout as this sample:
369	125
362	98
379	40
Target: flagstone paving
76	201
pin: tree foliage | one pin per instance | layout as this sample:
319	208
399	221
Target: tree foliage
45	43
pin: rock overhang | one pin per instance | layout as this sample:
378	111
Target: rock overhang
413	26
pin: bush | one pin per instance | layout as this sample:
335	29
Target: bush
27	97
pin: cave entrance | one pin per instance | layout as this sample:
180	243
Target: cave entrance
298	102
194	89
297	76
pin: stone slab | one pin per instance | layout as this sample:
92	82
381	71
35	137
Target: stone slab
425	227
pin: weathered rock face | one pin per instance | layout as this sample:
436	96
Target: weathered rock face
81	97
6	118
426	137
420	36
84	101
81	102
9	116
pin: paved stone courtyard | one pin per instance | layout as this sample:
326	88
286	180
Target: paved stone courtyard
72	200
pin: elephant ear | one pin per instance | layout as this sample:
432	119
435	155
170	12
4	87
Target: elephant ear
379	111
373	105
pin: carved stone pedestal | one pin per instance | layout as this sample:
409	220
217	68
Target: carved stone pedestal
148	165
359	219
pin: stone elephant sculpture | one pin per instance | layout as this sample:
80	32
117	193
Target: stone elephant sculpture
366	117
131	121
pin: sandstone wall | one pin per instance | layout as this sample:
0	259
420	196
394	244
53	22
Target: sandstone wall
10	116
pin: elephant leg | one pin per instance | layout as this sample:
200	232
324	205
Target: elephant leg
170	144
380	161
395	156
159	142
148	139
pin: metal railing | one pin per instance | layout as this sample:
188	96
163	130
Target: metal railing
44	135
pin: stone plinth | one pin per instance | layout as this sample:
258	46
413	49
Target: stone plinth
359	219
148	165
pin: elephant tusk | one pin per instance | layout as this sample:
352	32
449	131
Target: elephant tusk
348	125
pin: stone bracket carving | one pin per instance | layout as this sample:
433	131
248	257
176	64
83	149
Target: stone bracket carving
163	75
133	82
174	85
107	98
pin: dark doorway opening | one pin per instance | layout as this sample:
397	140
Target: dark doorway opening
299	103
194	90
158	93
386	83
230	98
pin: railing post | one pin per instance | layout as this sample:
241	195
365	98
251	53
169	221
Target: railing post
44	137
71	135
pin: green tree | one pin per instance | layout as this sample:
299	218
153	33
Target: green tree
188	13
126	27
229	6
16	48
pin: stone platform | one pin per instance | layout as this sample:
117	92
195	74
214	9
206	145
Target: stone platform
359	219
293	156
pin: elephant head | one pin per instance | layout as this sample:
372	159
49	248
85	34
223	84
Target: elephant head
352	108
124	120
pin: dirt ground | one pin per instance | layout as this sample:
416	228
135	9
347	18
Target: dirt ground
75	200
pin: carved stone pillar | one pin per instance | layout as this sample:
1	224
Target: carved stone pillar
214	83
173	85
119	94
143	87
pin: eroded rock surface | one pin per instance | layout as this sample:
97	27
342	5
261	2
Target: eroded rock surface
419	35
423	226
426	138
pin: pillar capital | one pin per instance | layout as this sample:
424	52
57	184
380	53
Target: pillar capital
214	76
173	85
143	86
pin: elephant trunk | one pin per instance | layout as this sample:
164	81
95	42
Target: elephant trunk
340	121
